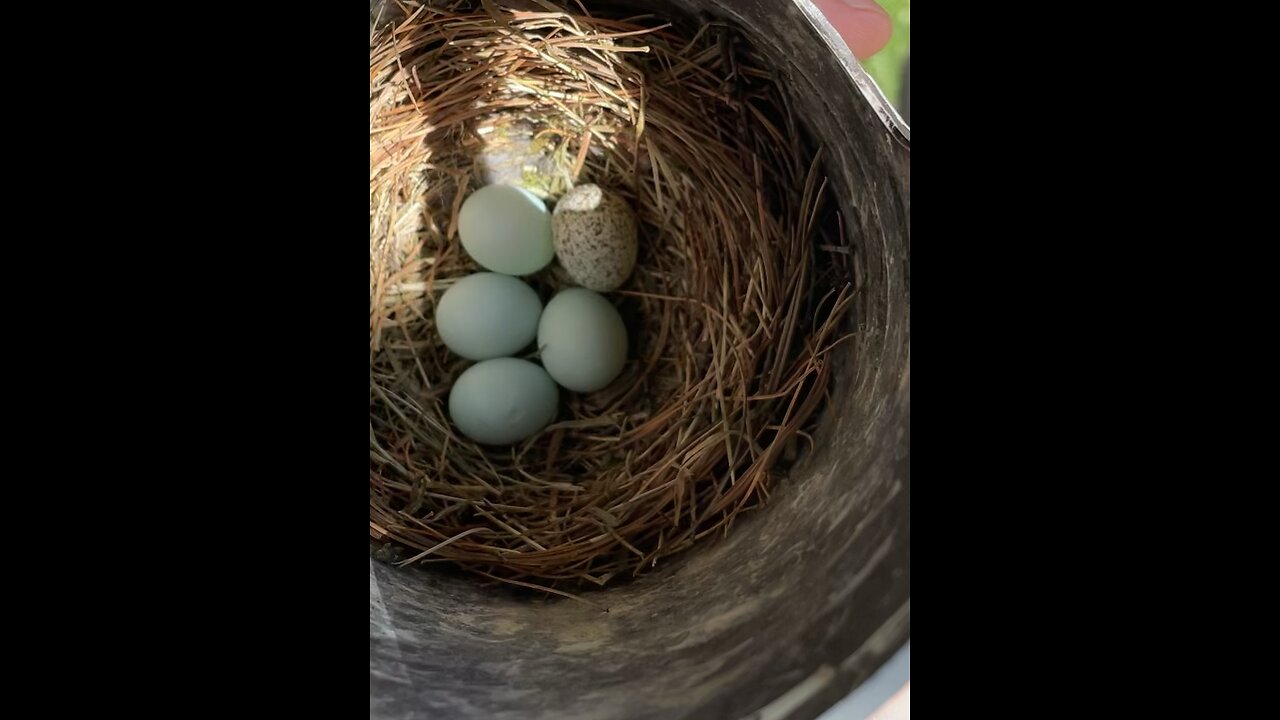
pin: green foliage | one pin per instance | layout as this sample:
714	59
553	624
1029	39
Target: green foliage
886	65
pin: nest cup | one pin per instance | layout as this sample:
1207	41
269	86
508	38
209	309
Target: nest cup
738	500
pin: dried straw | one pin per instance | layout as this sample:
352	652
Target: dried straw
732	321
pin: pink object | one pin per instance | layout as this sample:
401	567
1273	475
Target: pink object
863	24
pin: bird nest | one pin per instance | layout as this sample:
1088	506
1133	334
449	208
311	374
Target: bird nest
733	308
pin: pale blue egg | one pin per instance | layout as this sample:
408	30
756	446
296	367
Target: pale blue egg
487	315
503	401
506	229
582	340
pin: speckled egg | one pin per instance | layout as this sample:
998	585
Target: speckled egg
594	232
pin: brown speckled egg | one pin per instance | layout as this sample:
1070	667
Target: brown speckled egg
594	232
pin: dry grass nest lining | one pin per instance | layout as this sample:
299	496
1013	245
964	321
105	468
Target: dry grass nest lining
733	309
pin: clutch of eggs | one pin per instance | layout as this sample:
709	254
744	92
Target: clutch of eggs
490	316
